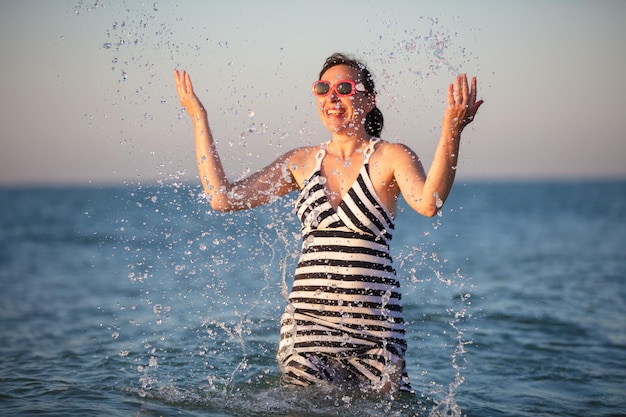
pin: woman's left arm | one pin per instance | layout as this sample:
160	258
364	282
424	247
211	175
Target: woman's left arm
427	195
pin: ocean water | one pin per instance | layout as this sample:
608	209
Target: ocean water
140	301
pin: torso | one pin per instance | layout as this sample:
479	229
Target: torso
345	309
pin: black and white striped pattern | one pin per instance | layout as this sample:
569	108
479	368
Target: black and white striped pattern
344	319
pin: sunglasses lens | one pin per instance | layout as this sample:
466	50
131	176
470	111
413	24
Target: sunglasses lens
321	88
344	88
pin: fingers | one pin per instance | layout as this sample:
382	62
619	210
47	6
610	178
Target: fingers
473	90
183	82
460	93
473	93
477	105
464	89
178	77
188	83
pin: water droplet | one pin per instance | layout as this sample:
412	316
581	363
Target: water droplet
438	201
250	113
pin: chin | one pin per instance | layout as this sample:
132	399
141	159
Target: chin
346	128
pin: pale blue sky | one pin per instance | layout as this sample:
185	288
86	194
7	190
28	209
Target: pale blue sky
88	93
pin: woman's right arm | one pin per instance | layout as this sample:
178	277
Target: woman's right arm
259	188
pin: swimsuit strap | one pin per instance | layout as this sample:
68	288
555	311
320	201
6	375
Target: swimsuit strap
369	150
366	153
319	156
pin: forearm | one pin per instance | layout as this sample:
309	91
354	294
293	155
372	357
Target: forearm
442	172
210	168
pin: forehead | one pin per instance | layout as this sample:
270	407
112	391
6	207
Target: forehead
341	72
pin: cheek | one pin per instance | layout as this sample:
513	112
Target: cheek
359	106
368	103
359	111
320	106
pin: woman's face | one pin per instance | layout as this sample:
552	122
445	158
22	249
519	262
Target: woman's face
344	114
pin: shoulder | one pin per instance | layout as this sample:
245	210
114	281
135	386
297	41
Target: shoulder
301	157
303	153
393	153
302	162
297	156
391	147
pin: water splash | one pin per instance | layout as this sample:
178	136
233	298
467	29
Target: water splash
173	248
198	341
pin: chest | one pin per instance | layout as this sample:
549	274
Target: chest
339	176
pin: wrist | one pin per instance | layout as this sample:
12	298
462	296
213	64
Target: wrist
198	115
454	123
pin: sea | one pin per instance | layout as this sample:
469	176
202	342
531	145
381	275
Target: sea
138	300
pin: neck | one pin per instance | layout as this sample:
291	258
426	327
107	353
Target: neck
345	146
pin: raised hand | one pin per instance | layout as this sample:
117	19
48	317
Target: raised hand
462	104
186	95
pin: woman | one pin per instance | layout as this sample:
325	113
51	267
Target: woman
343	323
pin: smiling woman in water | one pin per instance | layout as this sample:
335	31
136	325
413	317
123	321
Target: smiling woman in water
343	323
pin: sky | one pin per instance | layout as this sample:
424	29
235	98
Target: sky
88	95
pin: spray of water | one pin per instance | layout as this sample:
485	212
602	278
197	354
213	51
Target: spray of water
183	260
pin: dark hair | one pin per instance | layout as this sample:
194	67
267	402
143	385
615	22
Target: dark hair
374	119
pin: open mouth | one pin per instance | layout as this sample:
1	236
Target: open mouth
335	112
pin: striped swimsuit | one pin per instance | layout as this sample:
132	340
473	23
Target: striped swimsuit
344	323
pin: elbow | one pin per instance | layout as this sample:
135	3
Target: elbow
429	212
229	200
217	206
218	199
429	207
221	204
